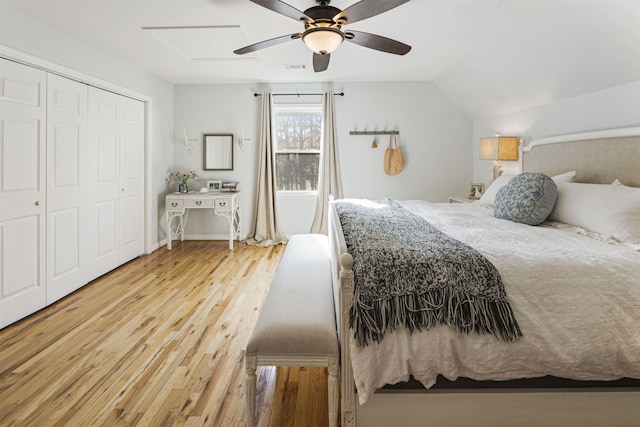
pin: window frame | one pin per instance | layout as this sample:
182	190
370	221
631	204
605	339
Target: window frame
295	108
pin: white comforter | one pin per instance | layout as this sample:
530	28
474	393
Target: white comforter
576	299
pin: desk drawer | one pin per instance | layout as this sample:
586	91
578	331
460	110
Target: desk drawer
198	203
223	204
175	205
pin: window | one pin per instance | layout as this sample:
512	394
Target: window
297	137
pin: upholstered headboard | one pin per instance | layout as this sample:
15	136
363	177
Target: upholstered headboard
597	157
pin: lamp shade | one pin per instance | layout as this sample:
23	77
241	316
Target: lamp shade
499	148
323	40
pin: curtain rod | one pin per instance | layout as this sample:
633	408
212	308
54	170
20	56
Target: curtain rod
375	132
299	94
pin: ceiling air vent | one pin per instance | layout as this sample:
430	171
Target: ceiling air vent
295	66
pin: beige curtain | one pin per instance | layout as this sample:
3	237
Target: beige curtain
329	182
266	231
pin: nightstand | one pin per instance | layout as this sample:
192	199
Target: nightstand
460	200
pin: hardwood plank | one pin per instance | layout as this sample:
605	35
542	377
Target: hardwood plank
157	342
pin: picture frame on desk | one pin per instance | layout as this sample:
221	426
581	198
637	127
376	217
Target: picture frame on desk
214	184
476	190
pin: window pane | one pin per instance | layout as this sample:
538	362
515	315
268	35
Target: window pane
297	171
298	131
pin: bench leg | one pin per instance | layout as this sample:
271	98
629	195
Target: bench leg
250	389
334	390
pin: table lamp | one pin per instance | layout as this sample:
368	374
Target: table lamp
499	148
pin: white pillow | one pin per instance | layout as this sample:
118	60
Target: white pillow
564	177
611	210
489	196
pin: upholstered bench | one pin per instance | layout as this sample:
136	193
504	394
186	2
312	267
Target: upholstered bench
297	325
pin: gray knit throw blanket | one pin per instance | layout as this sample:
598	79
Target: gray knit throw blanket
408	273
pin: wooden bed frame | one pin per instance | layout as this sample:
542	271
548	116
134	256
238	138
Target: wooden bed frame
597	157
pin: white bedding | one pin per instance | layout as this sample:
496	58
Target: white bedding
576	299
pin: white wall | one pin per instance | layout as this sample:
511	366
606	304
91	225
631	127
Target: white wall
617	107
29	35
204	109
435	138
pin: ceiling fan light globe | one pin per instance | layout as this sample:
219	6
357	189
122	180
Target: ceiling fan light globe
323	40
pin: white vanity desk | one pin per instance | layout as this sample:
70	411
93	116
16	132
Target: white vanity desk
222	204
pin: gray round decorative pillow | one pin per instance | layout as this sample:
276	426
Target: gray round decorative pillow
527	198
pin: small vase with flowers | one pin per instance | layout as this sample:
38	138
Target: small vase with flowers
182	177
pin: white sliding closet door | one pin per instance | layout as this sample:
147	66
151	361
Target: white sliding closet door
71	186
116	177
131	179
67	186
102	158
22	191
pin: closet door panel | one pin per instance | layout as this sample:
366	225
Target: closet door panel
131	179
22	191
21	259
103	159
64	243
106	218
21	146
67	221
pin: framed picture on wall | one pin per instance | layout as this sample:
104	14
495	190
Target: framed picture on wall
214	184
476	190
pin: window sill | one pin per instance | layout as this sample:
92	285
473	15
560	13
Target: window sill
296	194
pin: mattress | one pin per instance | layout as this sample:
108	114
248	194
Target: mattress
575	297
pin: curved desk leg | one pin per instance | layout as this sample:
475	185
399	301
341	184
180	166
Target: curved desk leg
229	216
183	223
179	227
233	216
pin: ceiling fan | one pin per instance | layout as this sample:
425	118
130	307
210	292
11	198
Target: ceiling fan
323	31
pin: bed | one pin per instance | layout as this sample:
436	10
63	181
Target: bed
575	294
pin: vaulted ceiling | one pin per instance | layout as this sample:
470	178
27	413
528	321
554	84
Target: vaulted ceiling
490	57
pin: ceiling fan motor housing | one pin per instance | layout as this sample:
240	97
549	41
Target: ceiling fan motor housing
322	13
319	23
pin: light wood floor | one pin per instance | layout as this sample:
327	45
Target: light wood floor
157	342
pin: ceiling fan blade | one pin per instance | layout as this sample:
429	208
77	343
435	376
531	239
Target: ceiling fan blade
374	41
267	43
320	62
366	9
282	8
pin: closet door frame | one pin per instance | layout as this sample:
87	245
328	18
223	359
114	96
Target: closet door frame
36	62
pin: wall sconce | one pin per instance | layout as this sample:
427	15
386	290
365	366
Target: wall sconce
190	144
499	148
242	141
